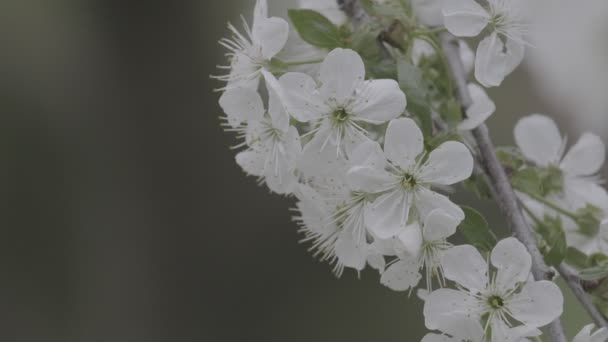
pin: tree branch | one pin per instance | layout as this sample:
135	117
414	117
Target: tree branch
574	283
503	192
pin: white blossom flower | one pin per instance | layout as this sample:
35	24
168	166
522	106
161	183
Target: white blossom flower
586	335
457	330
502	298
481	109
503	50
273	145
332	219
541	143
402	177
250	53
423	249
340	102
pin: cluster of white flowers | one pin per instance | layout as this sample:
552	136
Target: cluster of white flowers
371	175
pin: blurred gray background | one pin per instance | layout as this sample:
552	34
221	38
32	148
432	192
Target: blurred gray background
123	214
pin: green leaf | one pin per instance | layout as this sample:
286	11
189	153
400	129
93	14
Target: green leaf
453	113
527	180
315	29
412	82
576	258
476	230
594	273
510	157
478	185
553	246
587	220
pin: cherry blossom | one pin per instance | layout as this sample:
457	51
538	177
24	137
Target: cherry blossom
402	176
503	50
501	296
250	53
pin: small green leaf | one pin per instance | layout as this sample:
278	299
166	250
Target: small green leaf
587	220
453	113
510	157
476	230
315	29
576	258
479	186
553	245
594	273
412	82
527	180
597	259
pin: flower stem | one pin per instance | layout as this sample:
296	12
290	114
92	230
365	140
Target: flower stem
296	63
550	204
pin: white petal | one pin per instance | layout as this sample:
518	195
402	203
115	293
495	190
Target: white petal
539	139
251	161
279	171
538	303
500	331
270	35
467	55
480	110
581	191
244	73
586	157
439	225
601	335
513	55
351	253
340	74
242	104
368	153
369	179
489	65
585	334
403	142
402	275
462	328
513	263
387	215
464	18
443	305
276	108
426	201
465	266
421	49
260	11
411	239
449	163
301	97
376	261
437	338
494	62
378	101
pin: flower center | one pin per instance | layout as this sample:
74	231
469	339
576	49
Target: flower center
339	116
495	302
408	181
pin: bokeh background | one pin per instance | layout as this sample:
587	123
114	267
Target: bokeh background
123	216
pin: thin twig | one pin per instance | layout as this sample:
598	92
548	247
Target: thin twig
504	194
574	283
